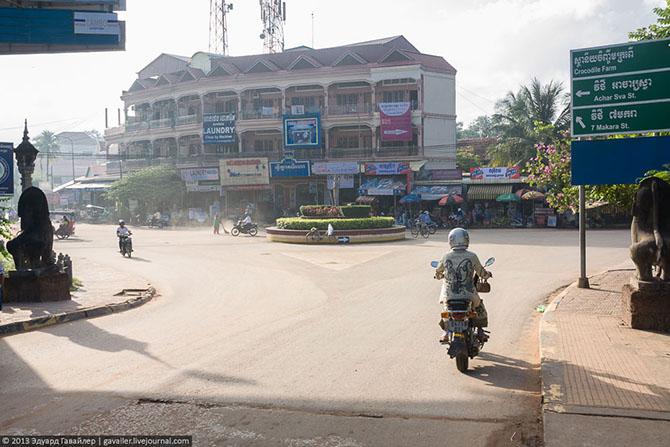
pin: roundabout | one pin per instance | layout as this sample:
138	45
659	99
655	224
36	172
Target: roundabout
395	233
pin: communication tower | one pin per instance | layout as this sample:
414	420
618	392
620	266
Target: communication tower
273	16
218	29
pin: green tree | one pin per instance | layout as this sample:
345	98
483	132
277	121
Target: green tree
655	31
47	144
466	159
155	187
519	114
481	127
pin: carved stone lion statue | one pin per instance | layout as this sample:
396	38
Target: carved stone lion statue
31	249
650	230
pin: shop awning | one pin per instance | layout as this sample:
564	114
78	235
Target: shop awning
417	165
365	199
487	192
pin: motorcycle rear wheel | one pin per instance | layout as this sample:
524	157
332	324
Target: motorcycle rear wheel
462	362
253	232
235	231
60	235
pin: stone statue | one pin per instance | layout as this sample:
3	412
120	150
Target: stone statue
650	230
31	249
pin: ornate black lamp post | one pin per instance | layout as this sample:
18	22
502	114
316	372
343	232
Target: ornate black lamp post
25	155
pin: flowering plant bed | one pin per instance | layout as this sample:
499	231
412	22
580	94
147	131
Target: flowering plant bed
298	223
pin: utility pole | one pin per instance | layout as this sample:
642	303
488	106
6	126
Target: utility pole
273	16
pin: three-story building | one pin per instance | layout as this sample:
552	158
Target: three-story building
342	86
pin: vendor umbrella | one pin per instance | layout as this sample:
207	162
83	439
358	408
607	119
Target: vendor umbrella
533	195
451	199
508	198
411	198
523	191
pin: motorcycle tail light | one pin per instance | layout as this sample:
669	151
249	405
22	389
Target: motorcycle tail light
459	315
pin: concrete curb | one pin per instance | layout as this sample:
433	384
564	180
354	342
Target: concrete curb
66	317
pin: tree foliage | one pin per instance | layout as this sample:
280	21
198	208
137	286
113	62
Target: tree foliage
656	31
519	114
156	187
466	159
480	127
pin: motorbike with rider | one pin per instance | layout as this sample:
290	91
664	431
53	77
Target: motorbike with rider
464	316
125	242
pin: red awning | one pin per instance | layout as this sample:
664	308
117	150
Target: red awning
365	199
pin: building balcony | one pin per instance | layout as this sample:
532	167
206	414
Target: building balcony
366	153
161	123
308	109
186	120
352	109
134	127
265	113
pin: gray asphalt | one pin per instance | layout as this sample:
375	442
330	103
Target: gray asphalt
259	343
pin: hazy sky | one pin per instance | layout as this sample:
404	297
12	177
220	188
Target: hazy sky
496	45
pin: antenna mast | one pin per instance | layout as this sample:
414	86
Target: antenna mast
273	16
218	28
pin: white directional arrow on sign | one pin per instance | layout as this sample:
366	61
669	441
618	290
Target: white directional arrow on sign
580	122
395	132
581	93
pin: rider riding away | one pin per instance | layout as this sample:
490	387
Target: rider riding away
122	230
458	267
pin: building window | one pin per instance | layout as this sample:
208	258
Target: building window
263	145
394	96
225	148
347	100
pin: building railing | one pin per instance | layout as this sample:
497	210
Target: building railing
134	127
308	109
161	123
187	119
334	109
253	114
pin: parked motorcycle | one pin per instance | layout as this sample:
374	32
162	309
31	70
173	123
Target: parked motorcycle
152	222
240	227
126	245
463	340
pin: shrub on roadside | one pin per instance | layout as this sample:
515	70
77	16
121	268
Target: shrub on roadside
296	223
355	211
319	211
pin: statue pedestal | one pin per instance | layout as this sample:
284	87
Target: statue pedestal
646	305
33	288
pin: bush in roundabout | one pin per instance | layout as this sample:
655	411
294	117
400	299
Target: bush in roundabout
301	223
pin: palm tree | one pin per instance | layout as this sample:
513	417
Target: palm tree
519	114
47	143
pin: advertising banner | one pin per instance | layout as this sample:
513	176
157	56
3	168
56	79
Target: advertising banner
298	110
445	174
509	172
302	132
396	121
394	168
218	128
96	23
346	181
244	171
189	175
384	186
436	192
289	167
335	168
6	169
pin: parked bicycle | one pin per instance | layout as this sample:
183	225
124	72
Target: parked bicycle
314	235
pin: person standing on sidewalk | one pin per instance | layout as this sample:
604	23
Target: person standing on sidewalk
217	223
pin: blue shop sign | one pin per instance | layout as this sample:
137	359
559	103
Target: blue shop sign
290	168
218	128
6	169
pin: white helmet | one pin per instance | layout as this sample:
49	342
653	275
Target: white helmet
459	239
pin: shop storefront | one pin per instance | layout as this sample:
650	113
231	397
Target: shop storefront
340	177
294	186
246	181
386	182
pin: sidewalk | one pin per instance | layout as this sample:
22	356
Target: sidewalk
603	383
104	291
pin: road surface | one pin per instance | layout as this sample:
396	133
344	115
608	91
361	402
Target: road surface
260	343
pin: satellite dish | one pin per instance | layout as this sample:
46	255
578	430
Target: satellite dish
262	36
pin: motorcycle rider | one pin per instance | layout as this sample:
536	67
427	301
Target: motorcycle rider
247	223
122	230
458	267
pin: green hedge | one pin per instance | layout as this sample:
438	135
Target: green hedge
319	210
296	223
356	211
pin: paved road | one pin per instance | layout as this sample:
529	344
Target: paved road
261	343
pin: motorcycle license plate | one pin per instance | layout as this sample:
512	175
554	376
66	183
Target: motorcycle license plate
458	325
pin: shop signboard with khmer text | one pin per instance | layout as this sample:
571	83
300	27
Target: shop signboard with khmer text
508	172
218	128
393	168
289	167
244	171
621	89
345	167
6	169
200	174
